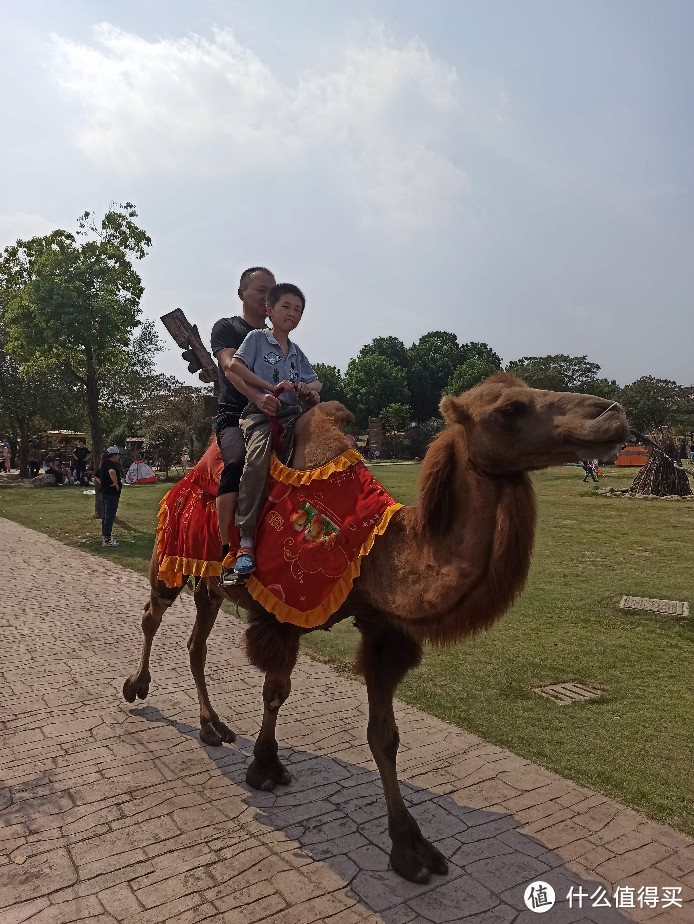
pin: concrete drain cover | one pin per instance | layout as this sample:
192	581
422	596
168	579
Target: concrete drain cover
664	607
566	693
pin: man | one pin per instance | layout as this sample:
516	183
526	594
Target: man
227	336
80	454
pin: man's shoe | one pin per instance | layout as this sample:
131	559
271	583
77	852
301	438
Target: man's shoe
109	543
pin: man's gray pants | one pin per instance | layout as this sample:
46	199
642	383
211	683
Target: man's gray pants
257	433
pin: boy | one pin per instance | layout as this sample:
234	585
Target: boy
270	363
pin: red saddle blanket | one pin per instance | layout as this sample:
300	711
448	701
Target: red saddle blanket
315	528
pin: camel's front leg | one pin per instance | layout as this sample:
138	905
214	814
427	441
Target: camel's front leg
385	658
207	603
160	599
272	647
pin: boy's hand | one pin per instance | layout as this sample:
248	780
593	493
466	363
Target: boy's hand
282	387
307	394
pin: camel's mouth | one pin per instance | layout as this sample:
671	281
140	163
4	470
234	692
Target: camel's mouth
606	429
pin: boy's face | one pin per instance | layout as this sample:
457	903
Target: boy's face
286	313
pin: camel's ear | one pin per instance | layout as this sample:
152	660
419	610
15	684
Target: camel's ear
453	411
437	502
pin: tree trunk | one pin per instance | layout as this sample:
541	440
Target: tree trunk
94	424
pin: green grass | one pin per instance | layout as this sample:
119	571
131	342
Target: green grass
635	743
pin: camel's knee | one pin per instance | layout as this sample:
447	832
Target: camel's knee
276	693
151	618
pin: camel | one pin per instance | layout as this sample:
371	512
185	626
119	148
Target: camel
444	569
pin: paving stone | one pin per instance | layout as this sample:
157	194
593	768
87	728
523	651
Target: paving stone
454	901
106	807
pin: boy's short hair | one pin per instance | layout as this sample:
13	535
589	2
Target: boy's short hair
285	288
246	275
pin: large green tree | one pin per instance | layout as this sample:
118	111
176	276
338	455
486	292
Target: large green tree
73	300
652	403
33	402
432	360
372	382
333	386
555	373
391	347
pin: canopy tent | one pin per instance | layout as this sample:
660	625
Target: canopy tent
140	473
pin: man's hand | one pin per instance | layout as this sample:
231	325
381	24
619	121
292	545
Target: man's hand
268	405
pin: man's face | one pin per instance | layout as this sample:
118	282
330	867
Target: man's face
254	295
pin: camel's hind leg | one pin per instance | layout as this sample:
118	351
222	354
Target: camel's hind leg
272	647
385	657
160	599
208	600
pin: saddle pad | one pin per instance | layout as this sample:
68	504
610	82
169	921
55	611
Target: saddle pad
315	528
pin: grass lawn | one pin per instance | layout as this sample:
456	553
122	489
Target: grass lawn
635	743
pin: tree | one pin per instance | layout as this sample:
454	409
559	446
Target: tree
432	361
391	347
555	373
75	303
31	403
652	403
333	385
481	352
396	419
372	383
468	375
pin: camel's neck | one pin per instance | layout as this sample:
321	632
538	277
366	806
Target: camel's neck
457	560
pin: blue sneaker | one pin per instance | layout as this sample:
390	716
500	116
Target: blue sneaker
245	563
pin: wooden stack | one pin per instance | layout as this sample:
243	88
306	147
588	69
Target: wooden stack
662	475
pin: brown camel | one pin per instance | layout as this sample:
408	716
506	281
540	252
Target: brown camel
444	569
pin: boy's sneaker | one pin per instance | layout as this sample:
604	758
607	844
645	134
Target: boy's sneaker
110	543
245	563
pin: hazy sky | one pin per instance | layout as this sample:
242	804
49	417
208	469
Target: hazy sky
516	172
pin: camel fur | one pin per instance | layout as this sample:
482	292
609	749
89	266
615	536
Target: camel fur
444	569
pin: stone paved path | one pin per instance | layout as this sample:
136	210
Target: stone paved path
117	813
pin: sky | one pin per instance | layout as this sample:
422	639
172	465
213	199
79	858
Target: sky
516	172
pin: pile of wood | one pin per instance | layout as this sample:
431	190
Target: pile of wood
662	475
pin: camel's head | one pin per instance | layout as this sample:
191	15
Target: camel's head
510	427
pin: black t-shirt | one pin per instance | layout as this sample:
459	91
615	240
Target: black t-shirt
81	454
229	333
107	485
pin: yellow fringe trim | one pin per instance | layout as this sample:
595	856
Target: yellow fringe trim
320	614
172	569
297	477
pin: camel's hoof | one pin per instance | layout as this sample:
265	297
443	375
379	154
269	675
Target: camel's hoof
135	686
418	860
215	733
268	774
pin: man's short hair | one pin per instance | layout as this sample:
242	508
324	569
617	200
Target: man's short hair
246	275
284	288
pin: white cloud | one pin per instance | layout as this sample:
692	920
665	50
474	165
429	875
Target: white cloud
22	226
380	119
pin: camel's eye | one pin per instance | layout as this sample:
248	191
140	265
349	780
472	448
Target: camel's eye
512	411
